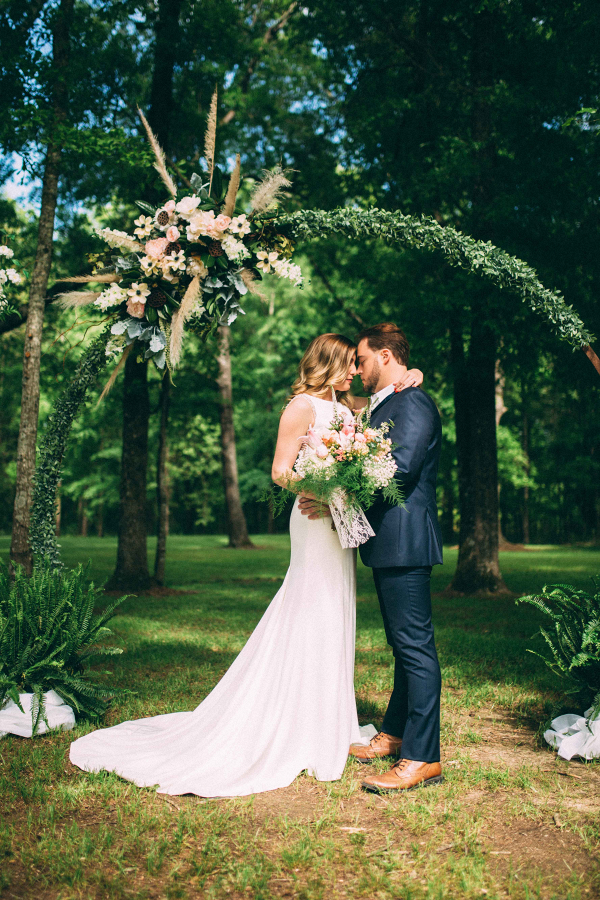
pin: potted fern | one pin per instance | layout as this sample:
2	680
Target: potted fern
573	641
48	633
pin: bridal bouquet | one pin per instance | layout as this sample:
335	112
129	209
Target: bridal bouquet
346	465
187	262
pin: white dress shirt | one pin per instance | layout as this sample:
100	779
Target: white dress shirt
381	395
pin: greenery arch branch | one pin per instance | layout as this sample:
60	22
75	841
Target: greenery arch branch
412	231
424	233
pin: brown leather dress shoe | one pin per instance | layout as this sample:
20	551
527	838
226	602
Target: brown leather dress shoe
381	745
404	775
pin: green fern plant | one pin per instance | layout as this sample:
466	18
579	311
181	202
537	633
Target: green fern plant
573	636
48	632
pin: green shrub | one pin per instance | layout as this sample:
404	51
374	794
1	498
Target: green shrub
573	637
48	631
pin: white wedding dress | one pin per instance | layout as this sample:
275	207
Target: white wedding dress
284	706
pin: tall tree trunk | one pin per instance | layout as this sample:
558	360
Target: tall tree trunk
58	510
477	569
526	535
131	572
132	568
500	410
20	550
100	519
236	521
162	483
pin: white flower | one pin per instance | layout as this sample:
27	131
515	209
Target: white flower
234	249
114	347
266	260
3	276
6	251
138	292
195	267
144	228
176	262
186	206
14	276
111	296
285	269
150	266
240	225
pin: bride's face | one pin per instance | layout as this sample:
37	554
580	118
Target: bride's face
347	382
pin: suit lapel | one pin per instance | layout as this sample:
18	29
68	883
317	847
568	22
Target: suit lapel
381	405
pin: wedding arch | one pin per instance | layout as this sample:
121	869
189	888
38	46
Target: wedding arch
199	285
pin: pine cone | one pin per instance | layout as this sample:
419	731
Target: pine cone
163	217
173	248
215	248
156	299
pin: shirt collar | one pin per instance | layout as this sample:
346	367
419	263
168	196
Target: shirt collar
377	398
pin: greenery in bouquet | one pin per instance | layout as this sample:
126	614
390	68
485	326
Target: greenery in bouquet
189	262
48	634
572	637
9	275
348	458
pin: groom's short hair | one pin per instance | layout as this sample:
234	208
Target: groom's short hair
387	336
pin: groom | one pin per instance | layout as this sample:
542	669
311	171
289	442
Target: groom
407	543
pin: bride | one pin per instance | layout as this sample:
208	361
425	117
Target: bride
286	704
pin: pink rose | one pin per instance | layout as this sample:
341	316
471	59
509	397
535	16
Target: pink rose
156	248
222	222
359	438
370	434
136	308
169	206
172	234
348	429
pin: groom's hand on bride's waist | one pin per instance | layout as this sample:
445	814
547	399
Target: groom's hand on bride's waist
313	508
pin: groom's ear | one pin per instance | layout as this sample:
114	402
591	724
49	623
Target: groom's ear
386	355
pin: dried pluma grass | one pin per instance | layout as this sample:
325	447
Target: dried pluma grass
232	190
109	278
250	282
120	240
114	373
190	298
269	189
161	164
73	299
210	137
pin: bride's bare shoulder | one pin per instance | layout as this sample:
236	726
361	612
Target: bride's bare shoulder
299	411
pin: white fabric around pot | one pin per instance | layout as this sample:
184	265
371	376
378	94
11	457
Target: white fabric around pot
58	713
573	735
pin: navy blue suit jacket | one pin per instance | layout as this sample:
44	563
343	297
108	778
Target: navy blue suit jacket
409	535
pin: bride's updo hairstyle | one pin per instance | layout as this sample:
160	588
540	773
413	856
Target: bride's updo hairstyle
325	362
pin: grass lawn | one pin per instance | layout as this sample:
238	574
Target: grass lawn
510	819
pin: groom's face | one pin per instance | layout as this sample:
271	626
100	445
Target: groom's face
369	366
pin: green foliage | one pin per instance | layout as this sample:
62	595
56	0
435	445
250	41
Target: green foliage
574	635
42	531
48	631
425	233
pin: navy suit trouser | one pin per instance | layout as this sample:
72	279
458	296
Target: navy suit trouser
413	712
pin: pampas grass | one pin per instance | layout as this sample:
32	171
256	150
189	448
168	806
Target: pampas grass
210	138
115	372
250	282
84	279
72	299
121	240
161	164
232	190
269	189
190	298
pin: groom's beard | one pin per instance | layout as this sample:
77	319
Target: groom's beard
372	381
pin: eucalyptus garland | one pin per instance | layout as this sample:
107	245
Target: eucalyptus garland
42	528
424	233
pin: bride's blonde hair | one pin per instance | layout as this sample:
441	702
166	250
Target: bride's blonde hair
325	362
